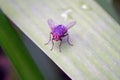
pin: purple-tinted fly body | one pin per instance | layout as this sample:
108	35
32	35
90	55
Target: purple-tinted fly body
58	32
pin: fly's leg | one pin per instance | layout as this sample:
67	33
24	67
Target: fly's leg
60	45
49	39
68	40
52	45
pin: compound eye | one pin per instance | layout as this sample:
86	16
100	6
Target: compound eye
54	36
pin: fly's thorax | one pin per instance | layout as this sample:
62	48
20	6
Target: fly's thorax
60	30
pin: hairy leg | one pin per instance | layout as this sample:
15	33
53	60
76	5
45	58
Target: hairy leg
68	39
60	45
52	45
49	39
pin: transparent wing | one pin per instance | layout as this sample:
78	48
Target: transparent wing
51	24
71	24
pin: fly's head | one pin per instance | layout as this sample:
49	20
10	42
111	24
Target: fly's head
56	37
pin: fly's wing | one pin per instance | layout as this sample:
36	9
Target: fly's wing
71	24
51	24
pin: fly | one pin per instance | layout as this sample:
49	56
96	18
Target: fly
58	32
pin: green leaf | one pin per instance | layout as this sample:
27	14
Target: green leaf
17	52
96	36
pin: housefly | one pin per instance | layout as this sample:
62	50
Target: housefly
58	31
